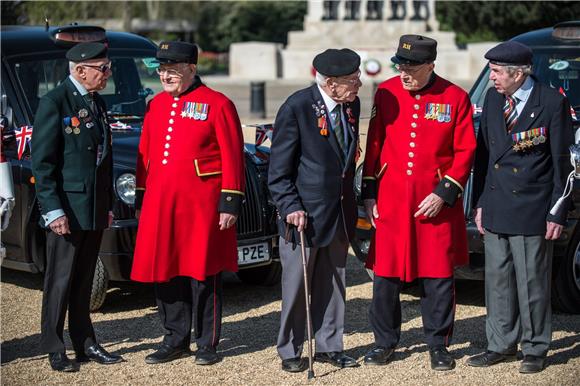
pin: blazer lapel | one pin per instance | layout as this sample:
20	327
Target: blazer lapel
79	103
316	97
352	135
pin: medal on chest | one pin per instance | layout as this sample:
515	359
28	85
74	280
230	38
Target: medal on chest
195	110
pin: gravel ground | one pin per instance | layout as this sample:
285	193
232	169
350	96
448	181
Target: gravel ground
128	325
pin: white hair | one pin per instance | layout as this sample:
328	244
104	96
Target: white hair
526	69
71	66
321	79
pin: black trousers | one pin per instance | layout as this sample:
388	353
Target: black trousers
184	300
437	311
68	279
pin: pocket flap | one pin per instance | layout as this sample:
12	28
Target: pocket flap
73	186
208	166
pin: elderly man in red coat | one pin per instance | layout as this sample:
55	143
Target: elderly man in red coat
419	152
190	175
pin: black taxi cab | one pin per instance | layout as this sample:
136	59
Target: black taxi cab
33	63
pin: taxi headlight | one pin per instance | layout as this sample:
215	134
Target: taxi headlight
125	187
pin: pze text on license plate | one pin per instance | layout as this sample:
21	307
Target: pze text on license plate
254	253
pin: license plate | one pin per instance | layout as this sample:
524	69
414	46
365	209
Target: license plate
254	253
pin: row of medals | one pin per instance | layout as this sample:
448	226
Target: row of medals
83	113
439	112
528	143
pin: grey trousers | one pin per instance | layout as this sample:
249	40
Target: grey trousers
326	276
517	293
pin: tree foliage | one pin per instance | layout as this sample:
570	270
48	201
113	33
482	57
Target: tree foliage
475	21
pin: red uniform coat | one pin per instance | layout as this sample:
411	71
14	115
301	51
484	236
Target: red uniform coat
191	166
409	156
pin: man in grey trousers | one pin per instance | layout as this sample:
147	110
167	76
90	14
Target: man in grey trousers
521	167
311	175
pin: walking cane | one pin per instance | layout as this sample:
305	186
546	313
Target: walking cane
308	318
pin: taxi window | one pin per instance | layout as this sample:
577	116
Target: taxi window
125	92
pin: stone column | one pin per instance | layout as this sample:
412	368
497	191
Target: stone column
363	10
315	11
341	10
410	11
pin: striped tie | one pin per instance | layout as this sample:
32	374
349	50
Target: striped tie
510	113
337	128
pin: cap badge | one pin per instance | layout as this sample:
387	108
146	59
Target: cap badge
407	46
83	113
164	46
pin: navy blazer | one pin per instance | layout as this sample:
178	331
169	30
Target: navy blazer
517	189
307	171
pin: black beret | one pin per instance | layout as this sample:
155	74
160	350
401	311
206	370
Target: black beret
415	49
176	52
510	53
333	62
86	51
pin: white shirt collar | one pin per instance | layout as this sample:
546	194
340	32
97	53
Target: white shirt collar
83	91
523	93
328	101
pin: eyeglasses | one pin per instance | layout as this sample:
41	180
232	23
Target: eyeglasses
409	69
102	68
168	72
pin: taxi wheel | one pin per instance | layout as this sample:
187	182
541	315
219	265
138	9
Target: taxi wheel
100	286
566	279
267	275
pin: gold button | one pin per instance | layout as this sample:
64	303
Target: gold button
417	96
412	144
170	129
168	137
166	153
171	121
173	113
413	125
415	116
411	154
416	107
413	134
164	162
515	170
410	164
409	172
167	146
174	105
496	166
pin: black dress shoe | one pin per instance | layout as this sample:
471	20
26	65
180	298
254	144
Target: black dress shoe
441	360
338	359
98	354
60	362
206	356
532	364
167	354
378	356
490	358
294	365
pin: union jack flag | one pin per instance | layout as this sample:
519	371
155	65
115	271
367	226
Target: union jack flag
263	132
572	112
23	136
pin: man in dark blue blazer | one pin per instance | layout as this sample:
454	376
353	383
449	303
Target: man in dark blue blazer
520	172
312	166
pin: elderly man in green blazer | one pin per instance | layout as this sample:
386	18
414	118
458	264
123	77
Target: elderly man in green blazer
72	164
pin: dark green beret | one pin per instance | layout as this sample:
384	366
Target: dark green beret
86	51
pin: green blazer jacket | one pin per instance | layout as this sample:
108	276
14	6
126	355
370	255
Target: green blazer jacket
72	160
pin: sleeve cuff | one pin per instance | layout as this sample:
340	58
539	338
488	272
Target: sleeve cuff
231	201
52	215
449	190
369	188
